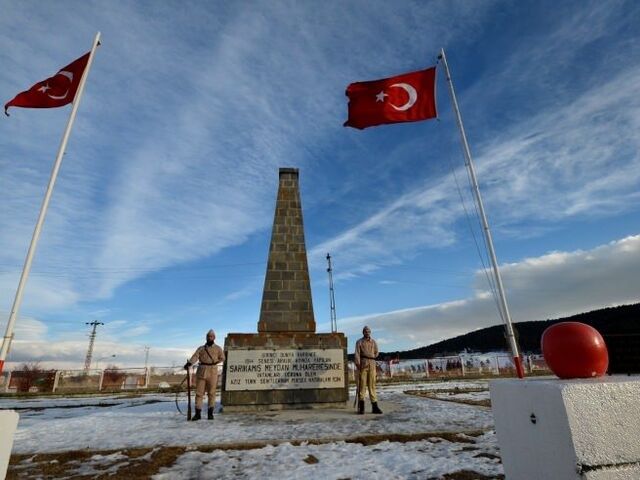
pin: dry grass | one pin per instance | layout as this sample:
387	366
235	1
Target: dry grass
468	475
145	462
58	465
433	394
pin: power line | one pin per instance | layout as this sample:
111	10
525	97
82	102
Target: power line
97	276
54	268
485	269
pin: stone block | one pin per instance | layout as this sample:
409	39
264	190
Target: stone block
269	295
568	429
273	275
271	316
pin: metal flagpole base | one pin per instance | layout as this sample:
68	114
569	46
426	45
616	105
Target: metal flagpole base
517	361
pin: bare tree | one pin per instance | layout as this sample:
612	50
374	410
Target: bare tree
113	377
31	374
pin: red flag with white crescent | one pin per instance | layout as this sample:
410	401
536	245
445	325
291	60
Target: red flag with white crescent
55	91
409	97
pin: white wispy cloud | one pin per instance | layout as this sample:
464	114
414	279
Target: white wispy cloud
68	354
36	341
550	286
576	157
189	112
178	141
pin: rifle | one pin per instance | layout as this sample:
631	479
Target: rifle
355	400
189	394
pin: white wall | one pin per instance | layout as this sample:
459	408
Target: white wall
584	428
8	425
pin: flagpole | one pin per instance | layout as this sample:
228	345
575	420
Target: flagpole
17	301
513	345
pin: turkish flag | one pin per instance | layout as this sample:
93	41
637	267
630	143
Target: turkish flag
409	97
55	91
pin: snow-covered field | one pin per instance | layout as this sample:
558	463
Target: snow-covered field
386	460
406	442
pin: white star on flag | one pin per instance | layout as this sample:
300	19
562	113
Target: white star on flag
380	96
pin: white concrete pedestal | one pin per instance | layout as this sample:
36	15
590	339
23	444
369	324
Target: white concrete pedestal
8	424
551	429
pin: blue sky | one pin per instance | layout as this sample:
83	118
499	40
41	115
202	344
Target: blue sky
160	222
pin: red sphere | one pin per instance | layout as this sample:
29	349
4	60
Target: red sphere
575	350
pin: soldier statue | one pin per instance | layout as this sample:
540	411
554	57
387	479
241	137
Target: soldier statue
208	356
365	360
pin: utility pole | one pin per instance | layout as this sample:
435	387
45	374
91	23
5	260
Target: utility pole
92	339
146	357
332	297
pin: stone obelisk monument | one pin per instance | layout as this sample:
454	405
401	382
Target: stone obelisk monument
286	364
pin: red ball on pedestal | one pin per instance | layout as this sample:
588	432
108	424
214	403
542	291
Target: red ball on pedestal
575	350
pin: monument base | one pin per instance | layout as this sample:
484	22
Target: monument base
284	370
583	429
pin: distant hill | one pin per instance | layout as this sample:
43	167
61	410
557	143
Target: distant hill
620	327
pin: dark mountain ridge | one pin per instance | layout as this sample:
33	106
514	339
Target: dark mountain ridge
620	327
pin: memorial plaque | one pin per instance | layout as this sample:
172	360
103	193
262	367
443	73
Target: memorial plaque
284	369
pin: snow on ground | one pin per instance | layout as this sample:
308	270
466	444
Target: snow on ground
100	464
442	385
151	420
75	401
134	423
387	460
101	429
474	396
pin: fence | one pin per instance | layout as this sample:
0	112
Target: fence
455	366
94	380
30	381
167	378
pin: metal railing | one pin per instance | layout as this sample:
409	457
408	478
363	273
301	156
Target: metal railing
110	379
455	366
113	379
